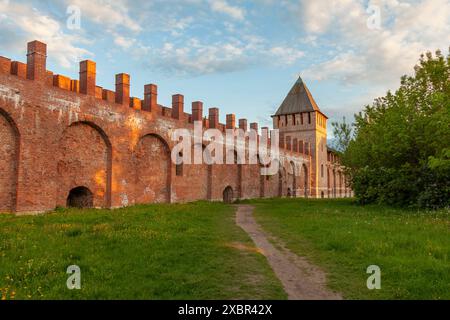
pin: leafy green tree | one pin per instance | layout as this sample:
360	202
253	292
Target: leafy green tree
342	132
400	151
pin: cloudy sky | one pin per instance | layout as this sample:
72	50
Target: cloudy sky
240	56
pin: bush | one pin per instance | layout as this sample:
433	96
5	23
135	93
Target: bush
436	180
399	153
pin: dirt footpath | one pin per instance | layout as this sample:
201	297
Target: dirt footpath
301	280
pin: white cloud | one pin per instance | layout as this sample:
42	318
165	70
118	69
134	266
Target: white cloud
176	26
286	55
196	58
222	6
316	15
108	13
22	24
376	57
123	42
347	67
310	40
364	62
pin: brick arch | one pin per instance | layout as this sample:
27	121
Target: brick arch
270	183
228	175
239	175
152	161
85	159
224	175
340	184
292	178
196	180
252	181
278	178
282	180
306	181
329	182
208	176
286	178
9	162
228	195
334	184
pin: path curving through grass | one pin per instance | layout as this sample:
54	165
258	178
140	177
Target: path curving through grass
301	280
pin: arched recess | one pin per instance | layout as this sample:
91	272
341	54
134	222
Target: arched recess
284	182
270	186
344	182
346	186
328	183
334	184
280	181
195	183
80	197
153	164
206	170
85	160
9	162
228	195
253	181
235	178
305	181
292	183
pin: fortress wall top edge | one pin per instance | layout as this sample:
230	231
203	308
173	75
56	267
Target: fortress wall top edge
36	70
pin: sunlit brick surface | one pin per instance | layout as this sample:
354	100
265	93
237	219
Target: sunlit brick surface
59	134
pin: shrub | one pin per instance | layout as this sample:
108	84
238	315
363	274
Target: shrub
399	152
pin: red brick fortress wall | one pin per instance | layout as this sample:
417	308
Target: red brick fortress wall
60	134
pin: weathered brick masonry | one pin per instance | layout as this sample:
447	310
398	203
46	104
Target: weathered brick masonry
70	142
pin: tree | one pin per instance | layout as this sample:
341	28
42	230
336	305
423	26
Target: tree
342	132
399	151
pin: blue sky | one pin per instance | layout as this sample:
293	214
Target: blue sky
240	56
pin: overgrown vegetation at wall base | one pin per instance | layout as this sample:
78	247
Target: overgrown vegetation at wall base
400	151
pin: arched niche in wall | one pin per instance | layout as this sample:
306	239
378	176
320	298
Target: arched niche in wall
85	160
306	180
9	162
152	162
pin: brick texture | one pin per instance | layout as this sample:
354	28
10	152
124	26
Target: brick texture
64	135
8	163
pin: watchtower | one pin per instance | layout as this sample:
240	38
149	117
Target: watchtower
300	121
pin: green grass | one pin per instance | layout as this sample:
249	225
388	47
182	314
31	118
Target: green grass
412	248
191	251
144	252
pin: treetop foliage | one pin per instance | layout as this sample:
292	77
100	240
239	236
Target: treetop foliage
399	151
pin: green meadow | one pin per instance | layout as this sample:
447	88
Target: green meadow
411	247
188	251
196	251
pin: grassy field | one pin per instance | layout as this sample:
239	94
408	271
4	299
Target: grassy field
195	251
412	248
191	251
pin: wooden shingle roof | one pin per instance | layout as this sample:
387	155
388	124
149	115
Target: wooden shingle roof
298	100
